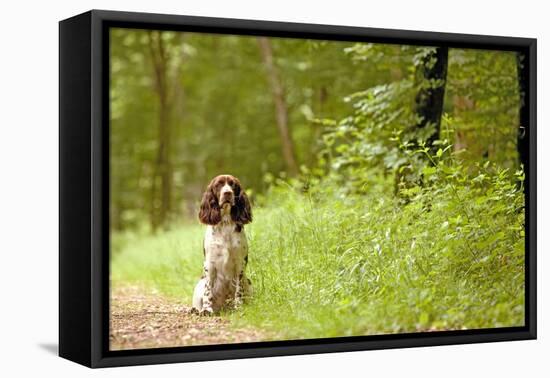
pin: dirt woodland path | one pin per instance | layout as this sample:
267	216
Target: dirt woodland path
143	319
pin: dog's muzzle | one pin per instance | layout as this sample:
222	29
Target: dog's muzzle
226	196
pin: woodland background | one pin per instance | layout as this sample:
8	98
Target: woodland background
387	180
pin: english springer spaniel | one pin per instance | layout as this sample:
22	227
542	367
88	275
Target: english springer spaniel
225	209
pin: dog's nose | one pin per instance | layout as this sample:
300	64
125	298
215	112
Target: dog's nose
227	194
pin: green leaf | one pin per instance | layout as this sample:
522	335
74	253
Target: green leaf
428	171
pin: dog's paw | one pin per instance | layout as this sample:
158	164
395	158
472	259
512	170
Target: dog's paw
207	311
194	311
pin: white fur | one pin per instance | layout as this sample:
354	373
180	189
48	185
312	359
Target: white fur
224	279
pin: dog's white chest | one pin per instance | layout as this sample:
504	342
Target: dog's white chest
225	249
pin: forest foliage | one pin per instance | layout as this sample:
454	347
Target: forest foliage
386	180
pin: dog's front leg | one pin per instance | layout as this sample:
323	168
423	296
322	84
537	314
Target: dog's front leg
238	300
208	294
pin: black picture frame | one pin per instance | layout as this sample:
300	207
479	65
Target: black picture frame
84	188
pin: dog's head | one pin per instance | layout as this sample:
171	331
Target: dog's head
225	193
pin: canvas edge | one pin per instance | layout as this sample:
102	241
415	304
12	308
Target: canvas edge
75	335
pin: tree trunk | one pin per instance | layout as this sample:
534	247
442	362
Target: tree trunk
431	76
522	139
162	172
281	111
429	100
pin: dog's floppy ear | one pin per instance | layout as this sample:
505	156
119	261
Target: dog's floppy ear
209	212
241	213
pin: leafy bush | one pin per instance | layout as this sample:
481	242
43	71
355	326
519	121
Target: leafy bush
361	147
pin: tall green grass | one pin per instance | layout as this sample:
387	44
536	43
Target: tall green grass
168	262
326	265
369	265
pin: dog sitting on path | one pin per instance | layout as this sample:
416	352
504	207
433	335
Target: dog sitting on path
225	209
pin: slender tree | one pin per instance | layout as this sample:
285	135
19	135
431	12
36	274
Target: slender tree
432	74
281	111
162	171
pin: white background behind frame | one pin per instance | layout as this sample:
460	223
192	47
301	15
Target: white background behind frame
29	186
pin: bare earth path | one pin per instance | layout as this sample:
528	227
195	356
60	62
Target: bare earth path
142	319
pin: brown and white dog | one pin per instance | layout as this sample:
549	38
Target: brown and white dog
225	209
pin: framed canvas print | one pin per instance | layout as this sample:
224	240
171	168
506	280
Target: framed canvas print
234	188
